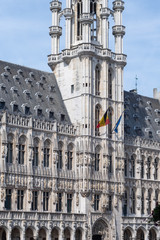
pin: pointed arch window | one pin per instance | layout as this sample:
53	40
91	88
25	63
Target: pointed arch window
110	84
79	24
94	24
70	157
156	169
149	168
156	197
21	150
133	196
97	159
149	200
125	203
9	158
110	124
97	80
142	167
60	155
46	153
132	170
35	153
97	119
142	202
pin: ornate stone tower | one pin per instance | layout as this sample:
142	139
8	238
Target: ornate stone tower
90	78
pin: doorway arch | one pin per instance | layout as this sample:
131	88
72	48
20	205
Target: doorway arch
15	234
3	233
100	230
29	234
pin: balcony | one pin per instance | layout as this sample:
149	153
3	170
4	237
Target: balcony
118	30
118	5
85	49
55	5
55	30
105	12
67	12
86	18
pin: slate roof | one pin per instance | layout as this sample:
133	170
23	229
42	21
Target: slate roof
142	116
26	91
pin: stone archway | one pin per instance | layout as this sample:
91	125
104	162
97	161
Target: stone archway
100	230
140	235
78	234
15	235
29	234
152	234
67	234
127	234
42	234
54	234
2	233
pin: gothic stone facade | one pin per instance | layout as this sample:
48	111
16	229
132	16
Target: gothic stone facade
61	178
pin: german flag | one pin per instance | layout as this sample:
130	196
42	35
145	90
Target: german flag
105	119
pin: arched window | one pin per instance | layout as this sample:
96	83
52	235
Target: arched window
97	80
156	169
21	148
152	234
125	203
127	234
142	167
79	24
110	112
46	153
142	202
109	84
60	155
9	158
97	159
149	201
78	234
132	170
94	24
97	119
140	235
156	197
149	168
126	166
35	152
70	157
133	197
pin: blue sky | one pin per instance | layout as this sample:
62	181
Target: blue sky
25	40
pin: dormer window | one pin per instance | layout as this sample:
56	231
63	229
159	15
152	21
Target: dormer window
7	69
28	80
27	110
43	78
150	134
31	74
20	72
2	104
39	112
51	115
15	107
62	117
52	88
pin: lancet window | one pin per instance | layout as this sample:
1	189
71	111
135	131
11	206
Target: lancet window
109	84
94	24
97	119
79	24
97	80
46	153
21	148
